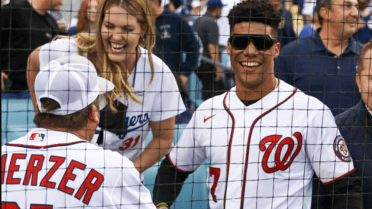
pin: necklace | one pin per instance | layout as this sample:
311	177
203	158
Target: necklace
276	82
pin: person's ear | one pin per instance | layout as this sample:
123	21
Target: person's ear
357	79
94	114
229	48
276	50
324	13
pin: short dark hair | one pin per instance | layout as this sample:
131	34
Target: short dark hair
320	4
362	56
260	11
73	122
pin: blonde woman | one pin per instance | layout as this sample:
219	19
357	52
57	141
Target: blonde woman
146	93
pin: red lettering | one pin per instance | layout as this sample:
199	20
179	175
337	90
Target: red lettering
87	185
3	161
280	164
13	167
70	176
136	141
216	172
38	206
33	170
9	205
58	162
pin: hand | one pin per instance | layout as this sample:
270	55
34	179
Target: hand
183	79
4	77
62	25
218	73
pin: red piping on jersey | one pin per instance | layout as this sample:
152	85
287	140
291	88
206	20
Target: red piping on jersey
229	151
339	177
48	146
179	169
249	138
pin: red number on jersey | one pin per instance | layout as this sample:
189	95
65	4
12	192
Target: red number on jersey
14	205
216	173
128	142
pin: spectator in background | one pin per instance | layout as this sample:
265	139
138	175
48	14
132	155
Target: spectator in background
286	33
309	29
355	125
25	25
207	29
364	27
174	38
324	66
86	18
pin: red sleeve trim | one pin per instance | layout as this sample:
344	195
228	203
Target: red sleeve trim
179	169
339	177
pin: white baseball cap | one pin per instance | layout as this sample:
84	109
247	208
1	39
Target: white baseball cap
70	81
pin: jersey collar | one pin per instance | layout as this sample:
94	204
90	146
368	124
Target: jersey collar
40	137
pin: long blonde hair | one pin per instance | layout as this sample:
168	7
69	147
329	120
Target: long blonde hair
93	45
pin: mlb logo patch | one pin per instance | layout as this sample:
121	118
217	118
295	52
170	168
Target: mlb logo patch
37	137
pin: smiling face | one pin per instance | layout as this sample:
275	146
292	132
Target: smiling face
254	69
92	10
120	33
343	17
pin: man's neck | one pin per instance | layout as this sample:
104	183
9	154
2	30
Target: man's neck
158	11
332	41
38	7
255	93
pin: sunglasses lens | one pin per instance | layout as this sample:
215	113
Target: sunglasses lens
261	42
240	42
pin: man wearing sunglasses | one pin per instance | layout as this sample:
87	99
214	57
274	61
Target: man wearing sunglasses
264	138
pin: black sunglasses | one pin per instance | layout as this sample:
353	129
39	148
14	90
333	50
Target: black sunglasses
261	42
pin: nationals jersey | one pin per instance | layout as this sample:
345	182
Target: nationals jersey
263	155
54	169
161	99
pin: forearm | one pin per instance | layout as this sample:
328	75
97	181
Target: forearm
213	52
154	151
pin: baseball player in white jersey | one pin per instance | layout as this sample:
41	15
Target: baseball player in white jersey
161	99
264	138
55	165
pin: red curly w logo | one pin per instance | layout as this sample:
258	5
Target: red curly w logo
280	164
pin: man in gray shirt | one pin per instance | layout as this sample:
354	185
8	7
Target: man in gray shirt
207	29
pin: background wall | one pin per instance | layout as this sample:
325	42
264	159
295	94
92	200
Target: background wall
69	9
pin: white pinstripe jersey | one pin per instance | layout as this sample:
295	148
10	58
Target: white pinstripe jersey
266	152
53	169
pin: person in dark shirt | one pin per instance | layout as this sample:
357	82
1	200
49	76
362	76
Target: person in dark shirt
25	25
355	125
174	39
207	29
324	65
286	33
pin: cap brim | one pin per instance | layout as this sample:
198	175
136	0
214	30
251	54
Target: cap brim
105	85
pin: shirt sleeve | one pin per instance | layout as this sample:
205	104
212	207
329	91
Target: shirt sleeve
326	147
167	101
188	155
129	192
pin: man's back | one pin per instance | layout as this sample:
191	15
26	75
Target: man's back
59	169
207	29
23	30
